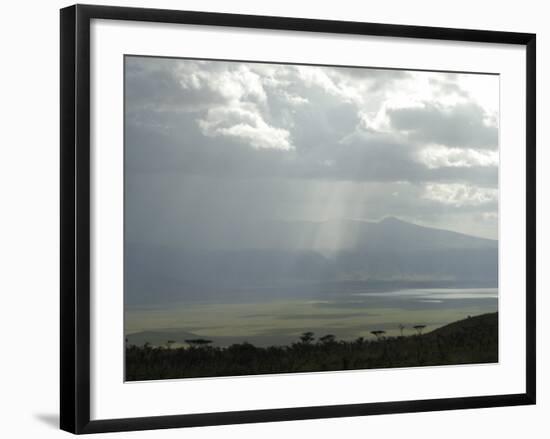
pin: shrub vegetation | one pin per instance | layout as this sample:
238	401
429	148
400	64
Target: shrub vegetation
473	340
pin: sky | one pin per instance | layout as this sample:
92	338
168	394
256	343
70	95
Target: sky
215	145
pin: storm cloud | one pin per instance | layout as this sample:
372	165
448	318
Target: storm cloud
210	143
459	126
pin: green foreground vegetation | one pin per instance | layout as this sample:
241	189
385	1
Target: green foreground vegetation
473	340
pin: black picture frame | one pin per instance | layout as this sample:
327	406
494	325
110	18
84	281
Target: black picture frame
75	217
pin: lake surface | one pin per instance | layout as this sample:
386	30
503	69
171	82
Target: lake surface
280	321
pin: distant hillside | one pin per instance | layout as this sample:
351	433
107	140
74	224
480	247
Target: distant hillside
303	253
325	237
392	234
478	325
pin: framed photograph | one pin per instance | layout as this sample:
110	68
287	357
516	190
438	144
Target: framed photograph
274	218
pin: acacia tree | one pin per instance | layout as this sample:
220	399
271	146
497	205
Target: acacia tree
419	329
327	339
307	337
378	334
401	328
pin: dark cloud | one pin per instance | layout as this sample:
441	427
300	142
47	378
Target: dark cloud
191	155
179	146
459	126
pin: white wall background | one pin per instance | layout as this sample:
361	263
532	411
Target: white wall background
29	249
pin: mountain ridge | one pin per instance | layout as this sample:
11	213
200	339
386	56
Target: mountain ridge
294	257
